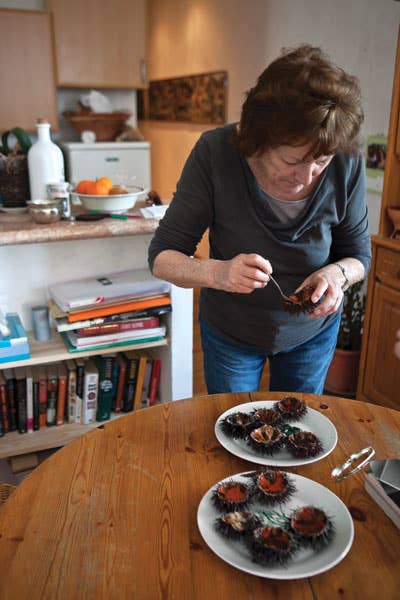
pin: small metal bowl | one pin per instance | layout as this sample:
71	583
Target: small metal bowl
44	211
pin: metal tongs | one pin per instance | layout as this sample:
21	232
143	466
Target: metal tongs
342	472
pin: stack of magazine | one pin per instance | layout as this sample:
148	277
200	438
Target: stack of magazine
114	309
382	483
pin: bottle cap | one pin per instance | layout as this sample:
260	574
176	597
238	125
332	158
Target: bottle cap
41	121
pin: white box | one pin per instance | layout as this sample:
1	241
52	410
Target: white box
122	162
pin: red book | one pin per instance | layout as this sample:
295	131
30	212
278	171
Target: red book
119	326
103	311
154	381
4	425
61	392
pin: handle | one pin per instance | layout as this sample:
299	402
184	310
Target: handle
23	139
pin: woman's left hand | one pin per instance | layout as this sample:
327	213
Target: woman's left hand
326	282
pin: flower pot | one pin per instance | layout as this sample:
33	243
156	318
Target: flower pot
342	374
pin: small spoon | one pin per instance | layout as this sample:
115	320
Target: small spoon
280	291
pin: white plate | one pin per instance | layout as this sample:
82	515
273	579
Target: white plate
312	421
306	562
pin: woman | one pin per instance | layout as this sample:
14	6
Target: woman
282	192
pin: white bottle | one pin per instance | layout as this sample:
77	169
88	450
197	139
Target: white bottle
45	162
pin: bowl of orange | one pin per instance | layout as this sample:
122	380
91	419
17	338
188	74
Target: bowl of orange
102	195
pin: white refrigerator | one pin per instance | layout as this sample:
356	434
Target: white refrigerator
123	162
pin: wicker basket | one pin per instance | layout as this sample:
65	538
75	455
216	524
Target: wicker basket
106	126
14	181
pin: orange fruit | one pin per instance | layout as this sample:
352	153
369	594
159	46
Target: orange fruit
106	182
97	188
82	186
117	189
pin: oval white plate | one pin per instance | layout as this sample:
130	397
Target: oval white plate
312	421
306	562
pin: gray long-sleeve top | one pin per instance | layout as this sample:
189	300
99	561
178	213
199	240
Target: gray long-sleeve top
217	190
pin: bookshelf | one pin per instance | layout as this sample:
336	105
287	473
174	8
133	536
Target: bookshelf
29	267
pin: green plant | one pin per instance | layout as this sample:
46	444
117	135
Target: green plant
350	330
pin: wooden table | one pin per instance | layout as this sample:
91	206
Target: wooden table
113	514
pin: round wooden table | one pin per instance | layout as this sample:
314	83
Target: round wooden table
113	514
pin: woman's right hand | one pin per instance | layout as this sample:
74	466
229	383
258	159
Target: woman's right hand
242	274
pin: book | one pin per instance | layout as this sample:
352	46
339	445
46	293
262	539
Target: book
139	381
90	393
118	327
118	308
136	334
4	420
146	383
105	366
62	376
100	347
71	390
52	385
132	364
80	372
20	398
95	290
9	376
122	364
35	397
15	352
62	323
29	399
154	381
42	376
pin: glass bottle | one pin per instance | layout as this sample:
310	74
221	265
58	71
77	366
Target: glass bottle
45	162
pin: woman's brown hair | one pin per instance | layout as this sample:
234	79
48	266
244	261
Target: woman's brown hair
302	97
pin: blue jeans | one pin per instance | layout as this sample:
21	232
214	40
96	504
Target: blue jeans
229	367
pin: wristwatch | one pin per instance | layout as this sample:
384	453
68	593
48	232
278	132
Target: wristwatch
346	284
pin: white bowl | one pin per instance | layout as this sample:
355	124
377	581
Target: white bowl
113	203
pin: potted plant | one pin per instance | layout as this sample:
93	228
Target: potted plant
14	177
343	371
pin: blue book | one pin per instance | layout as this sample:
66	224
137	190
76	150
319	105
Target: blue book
17	332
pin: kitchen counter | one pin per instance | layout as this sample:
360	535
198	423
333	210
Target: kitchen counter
16	229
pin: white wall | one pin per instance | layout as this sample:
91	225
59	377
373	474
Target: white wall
192	36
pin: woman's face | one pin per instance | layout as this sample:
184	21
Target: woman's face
291	170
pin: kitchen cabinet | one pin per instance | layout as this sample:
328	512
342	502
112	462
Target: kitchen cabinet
28	269
100	44
379	375
28	88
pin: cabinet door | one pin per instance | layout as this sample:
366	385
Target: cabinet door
382	372
100	44
28	89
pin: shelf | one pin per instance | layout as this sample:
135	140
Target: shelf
54	350
15	443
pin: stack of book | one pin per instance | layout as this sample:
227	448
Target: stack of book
14	345
77	391
112	310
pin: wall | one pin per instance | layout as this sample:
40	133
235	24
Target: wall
192	36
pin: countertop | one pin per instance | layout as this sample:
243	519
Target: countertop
16	229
